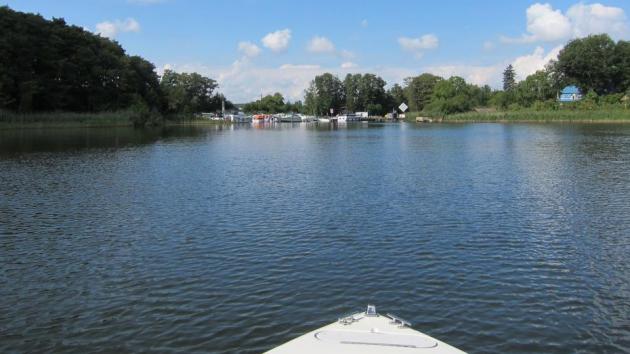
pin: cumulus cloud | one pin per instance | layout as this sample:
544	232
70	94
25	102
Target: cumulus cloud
528	64
419	45
243	81
492	75
320	45
111	29
428	41
597	18
248	49
546	24
476	74
277	41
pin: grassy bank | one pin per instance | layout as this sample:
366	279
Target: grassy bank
64	119
11	120
601	115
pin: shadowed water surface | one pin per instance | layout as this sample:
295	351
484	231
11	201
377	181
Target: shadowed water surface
494	238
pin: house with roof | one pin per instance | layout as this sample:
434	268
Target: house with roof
570	94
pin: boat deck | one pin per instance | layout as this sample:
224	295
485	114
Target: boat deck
362	334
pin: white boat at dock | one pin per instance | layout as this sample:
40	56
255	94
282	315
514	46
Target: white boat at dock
239	117
290	118
307	118
262	118
348	117
366	333
323	120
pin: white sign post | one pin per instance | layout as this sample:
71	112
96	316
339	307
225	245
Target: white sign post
403	107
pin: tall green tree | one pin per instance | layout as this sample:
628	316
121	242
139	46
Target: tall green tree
537	87
396	96
451	96
325	92
509	79
419	89
622	62
47	65
189	92
590	63
351	86
269	104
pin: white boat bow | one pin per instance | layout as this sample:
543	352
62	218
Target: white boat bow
366	333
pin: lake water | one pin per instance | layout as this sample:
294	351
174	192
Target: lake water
494	238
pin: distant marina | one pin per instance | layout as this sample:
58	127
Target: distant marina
241	117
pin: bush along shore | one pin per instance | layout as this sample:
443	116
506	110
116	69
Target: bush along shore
123	118
591	109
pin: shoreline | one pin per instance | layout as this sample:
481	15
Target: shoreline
538	117
80	124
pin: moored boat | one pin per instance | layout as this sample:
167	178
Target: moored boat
290	118
366	333
261	118
348	117
239	117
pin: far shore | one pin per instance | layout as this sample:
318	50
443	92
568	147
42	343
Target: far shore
600	115
116	120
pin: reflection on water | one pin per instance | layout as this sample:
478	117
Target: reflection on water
493	237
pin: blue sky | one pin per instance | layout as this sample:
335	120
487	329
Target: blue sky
284	44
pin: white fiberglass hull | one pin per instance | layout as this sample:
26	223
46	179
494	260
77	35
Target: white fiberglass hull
363	334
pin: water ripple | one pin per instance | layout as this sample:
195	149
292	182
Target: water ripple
494	238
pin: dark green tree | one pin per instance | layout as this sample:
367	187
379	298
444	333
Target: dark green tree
269	104
509	79
189	92
396	96
451	96
325	92
592	64
538	87
419	89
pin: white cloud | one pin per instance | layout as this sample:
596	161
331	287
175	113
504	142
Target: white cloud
597	18
111	29
418	45
243	81
546	24
277	41
493	74
428	41
364	23
478	75
248	49
528	64
320	45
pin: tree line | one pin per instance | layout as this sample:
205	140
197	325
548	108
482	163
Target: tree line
597	65
367	93
273	104
48	65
